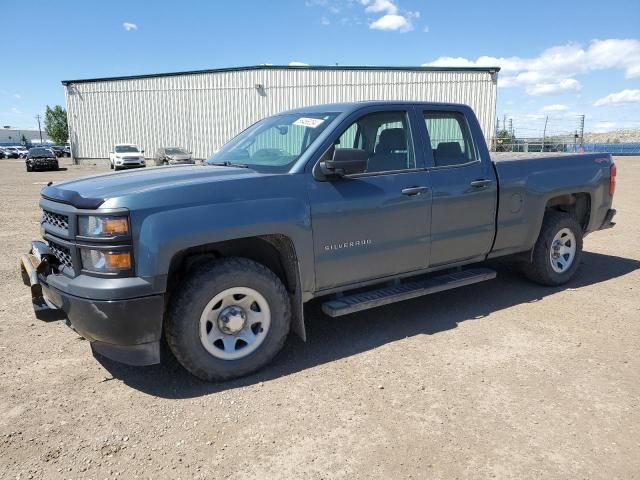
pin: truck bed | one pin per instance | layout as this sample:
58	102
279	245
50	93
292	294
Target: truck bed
528	181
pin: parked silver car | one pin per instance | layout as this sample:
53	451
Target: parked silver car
172	156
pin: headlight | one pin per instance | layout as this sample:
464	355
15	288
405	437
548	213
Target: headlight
104	226
105	261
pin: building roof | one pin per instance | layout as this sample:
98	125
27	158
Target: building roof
290	67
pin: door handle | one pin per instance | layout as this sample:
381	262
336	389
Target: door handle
483	183
412	191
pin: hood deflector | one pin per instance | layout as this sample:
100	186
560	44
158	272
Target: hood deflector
71	198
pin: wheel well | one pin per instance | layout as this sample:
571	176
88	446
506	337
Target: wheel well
577	204
276	252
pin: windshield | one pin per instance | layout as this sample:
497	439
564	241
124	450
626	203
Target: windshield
176	151
126	149
274	143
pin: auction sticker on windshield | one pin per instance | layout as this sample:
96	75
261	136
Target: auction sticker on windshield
308	122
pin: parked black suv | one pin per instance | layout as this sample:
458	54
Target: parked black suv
41	159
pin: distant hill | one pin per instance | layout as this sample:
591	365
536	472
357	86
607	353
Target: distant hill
628	135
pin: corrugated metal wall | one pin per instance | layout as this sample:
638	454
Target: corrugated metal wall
201	111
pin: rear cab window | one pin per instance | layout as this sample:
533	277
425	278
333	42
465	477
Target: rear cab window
450	138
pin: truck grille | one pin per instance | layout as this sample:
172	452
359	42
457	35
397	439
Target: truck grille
55	220
62	253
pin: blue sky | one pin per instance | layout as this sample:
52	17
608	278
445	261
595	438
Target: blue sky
559	58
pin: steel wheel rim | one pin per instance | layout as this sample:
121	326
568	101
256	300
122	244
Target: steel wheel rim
562	251
221	331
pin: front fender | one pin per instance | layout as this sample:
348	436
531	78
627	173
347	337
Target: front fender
164	234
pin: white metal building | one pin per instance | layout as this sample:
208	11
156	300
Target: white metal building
17	136
201	110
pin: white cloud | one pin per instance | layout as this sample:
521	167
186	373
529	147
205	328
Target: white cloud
625	96
548	88
426	29
298	64
601	127
128	26
553	70
556	107
17	95
380	6
383	15
392	23
16	111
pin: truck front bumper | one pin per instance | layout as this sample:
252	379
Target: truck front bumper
125	330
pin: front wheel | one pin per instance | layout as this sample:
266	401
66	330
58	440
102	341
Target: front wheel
228	319
558	250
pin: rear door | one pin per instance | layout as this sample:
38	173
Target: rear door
376	224
464	186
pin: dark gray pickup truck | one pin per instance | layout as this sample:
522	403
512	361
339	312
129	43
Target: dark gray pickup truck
361	204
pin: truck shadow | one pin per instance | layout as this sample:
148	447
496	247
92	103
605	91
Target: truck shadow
330	339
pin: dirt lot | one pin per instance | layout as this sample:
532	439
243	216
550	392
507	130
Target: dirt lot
503	379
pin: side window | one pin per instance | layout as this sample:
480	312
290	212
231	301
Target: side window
385	136
450	138
350	138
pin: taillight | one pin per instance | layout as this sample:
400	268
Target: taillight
612	178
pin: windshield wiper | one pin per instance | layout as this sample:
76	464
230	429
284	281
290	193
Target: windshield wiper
228	164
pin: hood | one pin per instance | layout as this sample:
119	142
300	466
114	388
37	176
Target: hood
91	192
129	154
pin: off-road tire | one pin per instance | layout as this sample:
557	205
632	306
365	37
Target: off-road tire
539	270
182	321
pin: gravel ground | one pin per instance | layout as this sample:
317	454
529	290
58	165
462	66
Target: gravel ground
503	379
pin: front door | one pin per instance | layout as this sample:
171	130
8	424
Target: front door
372	225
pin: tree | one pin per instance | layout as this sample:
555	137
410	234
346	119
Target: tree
55	124
504	140
24	140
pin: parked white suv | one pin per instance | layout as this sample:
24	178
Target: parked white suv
126	155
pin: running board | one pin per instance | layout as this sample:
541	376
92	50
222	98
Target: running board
404	291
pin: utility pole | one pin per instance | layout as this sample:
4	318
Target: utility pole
39	127
511	133
544	132
581	131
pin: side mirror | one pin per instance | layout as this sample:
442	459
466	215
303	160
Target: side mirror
345	161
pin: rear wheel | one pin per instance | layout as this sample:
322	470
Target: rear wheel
558	250
228	319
